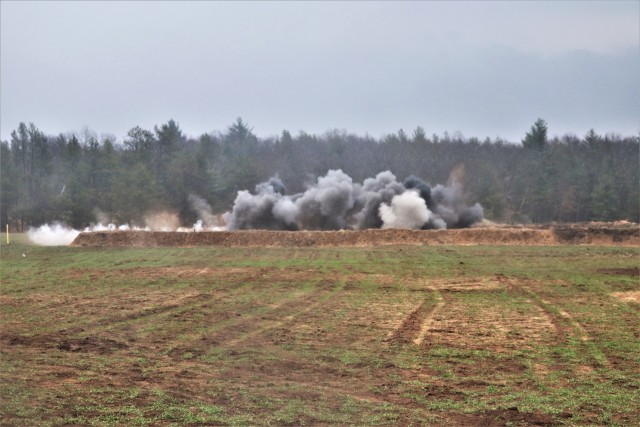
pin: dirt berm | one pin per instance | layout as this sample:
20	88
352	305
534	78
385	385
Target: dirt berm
590	233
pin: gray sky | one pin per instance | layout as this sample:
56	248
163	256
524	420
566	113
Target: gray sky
481	68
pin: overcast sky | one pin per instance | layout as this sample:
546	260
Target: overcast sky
481	68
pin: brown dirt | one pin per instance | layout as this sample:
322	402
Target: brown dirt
60	341
631	296
590	233
503	417
633	272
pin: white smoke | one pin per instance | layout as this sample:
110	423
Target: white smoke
52	235
286	210
58	234
101	216
407	210
100	227
112	227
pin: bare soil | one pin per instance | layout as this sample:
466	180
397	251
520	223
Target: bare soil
583	233
630	296
633	271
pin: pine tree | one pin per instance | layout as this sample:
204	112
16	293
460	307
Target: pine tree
536	138
603	200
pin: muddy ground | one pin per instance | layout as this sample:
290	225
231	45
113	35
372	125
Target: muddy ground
584	233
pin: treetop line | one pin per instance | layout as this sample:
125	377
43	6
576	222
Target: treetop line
78	179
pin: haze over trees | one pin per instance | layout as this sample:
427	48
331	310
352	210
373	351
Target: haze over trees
83	178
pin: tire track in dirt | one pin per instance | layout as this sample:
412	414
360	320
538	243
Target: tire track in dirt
567	327
138	307
121	329
290	318
366	310
428	320
231	322
98	335
323	376
471	315
544	307
179	311
414	326
236	327
240	280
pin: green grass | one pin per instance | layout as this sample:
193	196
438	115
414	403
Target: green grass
301	336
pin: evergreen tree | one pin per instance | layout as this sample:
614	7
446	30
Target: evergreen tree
30	149
536	138
9	191
419	135
140	142
603	200
240	131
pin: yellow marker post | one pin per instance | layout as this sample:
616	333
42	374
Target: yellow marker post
8	234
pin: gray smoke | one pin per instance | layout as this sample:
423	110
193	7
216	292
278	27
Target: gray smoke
449	205
203	210
335	202
325	204
375	192
268	209
275	183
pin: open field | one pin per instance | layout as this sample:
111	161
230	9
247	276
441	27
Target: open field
376	335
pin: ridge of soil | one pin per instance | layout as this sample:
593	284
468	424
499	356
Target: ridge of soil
584	233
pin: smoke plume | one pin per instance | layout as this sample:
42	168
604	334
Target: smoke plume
206	218
335	202
267	209
52	235
162	221
331	202
325	204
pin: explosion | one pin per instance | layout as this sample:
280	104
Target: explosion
335	202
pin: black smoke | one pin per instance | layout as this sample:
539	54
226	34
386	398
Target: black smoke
424	190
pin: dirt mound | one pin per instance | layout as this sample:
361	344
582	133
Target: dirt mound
597	233
612	234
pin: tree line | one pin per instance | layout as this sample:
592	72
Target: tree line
79	178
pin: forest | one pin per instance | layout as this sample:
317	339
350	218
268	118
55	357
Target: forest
82	178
